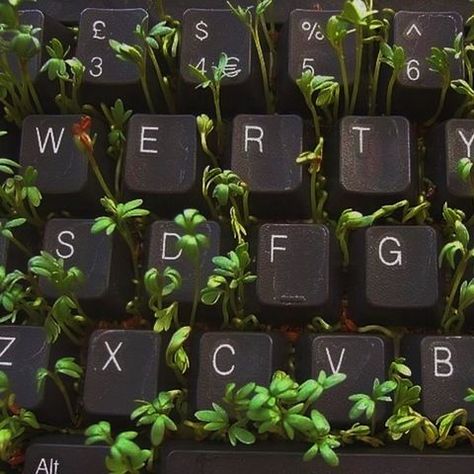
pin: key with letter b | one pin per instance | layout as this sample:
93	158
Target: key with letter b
386	286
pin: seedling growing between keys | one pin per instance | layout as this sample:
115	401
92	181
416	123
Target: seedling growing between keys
394	57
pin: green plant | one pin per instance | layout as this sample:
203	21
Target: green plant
461	87
470	395
6	228
205	127
457	253
192	243
65	71
125	456
227	283
395	57
255	21
366	404
328	94
157	414
159	286
213	82
283	409
117	118
66	366
318	195
176	357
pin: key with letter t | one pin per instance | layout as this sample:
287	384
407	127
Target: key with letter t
394	277
297	268
205	35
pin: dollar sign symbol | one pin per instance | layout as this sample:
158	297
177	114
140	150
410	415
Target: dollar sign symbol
202	32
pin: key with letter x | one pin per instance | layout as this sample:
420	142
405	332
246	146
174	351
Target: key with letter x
122	366
205	35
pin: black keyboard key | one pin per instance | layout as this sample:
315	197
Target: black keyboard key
463	7
23	351
164	163
442	366
122	366
264	152
224	358
205	35
374	163
343	354
11	256
64	454
297	268
386	286
106	77
447	144
304	47
162	251
64	176
418	88
279	458
69	11
104	261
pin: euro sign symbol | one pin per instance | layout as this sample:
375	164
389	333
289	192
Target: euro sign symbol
231	69
202	31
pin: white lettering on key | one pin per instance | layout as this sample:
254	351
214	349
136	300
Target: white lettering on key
446	362
112	357
273	248
98	27
144	139
258	138
202	33
214	360
69	246
395	253
335	370
9	340
55	142
231	68
361	131
45	467
164	255
467	142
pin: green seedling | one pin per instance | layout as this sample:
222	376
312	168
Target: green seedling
205	126
255	21
192	243
66	366
176	357
227	283
160	286
395	57
125	456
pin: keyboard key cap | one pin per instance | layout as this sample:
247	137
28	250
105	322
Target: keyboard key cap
447	144
11	257
122	366
264	152
375	163
418	88
205	35
103	259
463	7
304	47
64	175
162	252
230	357
64	454
298	272
340	353
279	458
441	365
23	351
107	77
385	284
163	162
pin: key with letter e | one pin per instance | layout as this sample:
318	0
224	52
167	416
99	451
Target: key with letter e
225	357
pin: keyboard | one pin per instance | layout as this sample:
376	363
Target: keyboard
235	236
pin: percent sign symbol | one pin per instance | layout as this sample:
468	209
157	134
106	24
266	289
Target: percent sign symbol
313	30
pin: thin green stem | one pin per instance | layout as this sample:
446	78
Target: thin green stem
146	92
31	88
163	84
197	289
313	191
389	98
98	174
207	151
358	67
442	100
234	305
373	424
314	115
225	310
160	9
62	96
336	104
21	246
345	78
62	388
375	84
245	207
216	95
118	172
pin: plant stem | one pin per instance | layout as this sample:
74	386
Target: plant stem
225	311
345	78
62	388
245	206
160	9
358	67
118	172
146	92
62	96
216	95
375	84
442	100
389	98
20	246
207	151
314	115
197	289
31	87
163	84
314	204
98	175
373	424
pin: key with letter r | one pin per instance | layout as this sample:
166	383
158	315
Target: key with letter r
122	366
442	366
240	358
384	270
361	358
298	272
